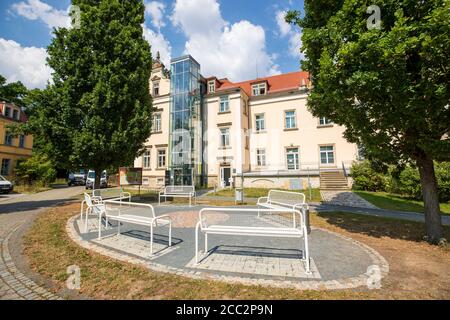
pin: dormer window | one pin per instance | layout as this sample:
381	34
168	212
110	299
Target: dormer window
155	89
259	89
16	114
211	86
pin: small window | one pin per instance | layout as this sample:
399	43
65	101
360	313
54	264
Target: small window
225	137
5	166
261	157
260	122
290	121
146	162
146	181
8	139
323	121
327	155
212	86
21	141
8	112
259	89
157	122
156	89
224	104
292	158
16	114
162	158
160	181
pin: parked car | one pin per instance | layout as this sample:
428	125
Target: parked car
5	185
90	180
77	178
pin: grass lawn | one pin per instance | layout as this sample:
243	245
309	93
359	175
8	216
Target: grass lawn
263	192
389	201
417	269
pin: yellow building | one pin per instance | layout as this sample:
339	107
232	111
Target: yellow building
12	149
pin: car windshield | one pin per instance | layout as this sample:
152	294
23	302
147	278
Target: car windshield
91	175
2	178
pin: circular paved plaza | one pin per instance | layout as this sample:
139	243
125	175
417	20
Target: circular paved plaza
337	262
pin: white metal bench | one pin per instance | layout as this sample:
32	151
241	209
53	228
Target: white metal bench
112	194
134	213
281	223
279	199
178	192
97	198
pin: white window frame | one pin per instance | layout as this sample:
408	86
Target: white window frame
324	121
327	155
157	122
224	104
259	89
211	86
289	151
160	156
292	119
224	137
5	171
146	159
261	157
262	122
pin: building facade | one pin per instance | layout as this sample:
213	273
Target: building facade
12	149
258	133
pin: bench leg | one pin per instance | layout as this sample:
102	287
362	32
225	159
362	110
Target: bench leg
118	227
151	239
170	233
206	243
196	242
307	260
159	200
99	226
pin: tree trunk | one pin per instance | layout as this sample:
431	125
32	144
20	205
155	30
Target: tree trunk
428	180
98	176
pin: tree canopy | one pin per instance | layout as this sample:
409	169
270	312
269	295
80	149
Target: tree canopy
13	92
389	87
96	113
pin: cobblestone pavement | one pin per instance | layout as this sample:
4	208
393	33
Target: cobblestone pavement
345	198
15	214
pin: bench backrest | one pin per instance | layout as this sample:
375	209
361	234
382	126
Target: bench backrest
115	207
251	218
179	189
96	208
110	193
286	198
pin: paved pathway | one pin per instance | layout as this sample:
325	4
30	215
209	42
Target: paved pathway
15	215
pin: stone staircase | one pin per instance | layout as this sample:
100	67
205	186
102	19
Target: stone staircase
333	180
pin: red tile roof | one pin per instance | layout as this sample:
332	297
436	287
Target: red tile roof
279	83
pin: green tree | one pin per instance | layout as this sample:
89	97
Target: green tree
36	168
97	112
14	91
389	86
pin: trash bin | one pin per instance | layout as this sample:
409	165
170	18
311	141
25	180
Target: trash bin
239	195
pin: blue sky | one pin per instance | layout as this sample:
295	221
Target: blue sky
230	38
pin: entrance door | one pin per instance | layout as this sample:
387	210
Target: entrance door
225	174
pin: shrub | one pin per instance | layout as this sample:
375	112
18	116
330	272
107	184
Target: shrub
37	168
409	183
443	178
366	178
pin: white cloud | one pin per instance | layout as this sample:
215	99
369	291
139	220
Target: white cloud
158	43
26	64
283	27
156	11
295	35
235	51
38	10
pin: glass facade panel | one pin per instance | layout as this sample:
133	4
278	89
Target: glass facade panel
185	146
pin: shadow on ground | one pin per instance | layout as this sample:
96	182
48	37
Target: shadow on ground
378	227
